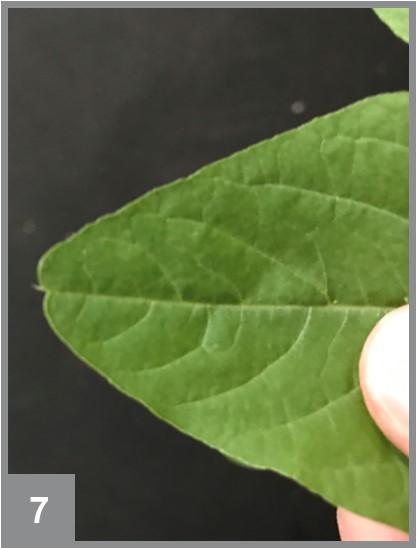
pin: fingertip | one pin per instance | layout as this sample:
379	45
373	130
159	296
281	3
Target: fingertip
357	528
384	376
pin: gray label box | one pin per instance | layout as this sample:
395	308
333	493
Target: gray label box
56	522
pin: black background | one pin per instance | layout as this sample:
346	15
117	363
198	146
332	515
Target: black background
105	104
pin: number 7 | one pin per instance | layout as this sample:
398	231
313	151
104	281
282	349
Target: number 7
42	501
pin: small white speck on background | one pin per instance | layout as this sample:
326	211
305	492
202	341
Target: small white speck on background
29	227
298	107
381	69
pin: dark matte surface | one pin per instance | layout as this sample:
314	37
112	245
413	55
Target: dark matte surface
104	105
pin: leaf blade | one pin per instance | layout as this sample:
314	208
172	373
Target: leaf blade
194	337
397	20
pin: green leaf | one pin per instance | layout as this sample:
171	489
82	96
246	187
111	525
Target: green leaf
396	19
234	303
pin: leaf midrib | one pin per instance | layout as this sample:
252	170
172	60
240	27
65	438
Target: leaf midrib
184	303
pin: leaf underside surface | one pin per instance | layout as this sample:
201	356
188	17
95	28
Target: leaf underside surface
234	303
397	19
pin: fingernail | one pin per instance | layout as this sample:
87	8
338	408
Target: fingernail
385	373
